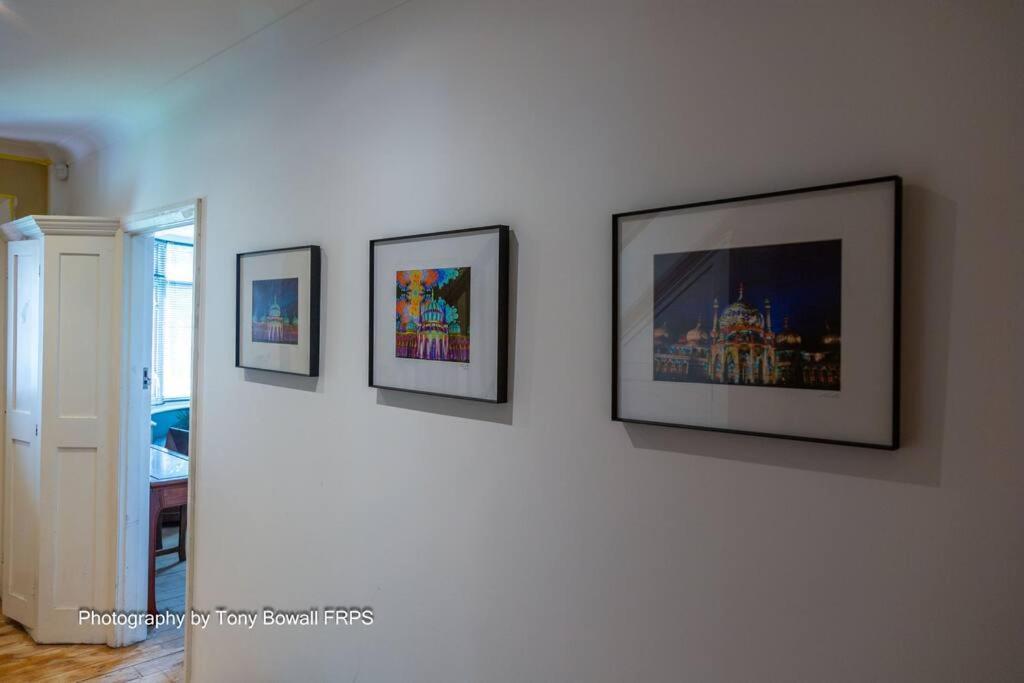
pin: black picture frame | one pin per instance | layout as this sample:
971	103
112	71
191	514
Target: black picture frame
501	394
894	440
314	308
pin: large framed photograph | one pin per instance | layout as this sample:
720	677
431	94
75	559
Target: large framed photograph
277	310
439	313
774	314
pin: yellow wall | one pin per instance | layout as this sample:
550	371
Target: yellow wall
28	181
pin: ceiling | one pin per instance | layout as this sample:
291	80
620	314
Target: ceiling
71	69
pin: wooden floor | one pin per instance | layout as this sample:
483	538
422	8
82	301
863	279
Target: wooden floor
158	658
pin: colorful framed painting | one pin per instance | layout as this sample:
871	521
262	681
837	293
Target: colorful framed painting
439	313
277	310
774	314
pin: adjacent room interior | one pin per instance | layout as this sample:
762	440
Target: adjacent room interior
170	392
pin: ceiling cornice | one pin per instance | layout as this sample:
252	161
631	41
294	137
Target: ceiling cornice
34	227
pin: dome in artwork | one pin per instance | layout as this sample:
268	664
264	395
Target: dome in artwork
740	316
432	311
275	310
830	338
697	335
742	346
787	337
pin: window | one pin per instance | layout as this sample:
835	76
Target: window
172	321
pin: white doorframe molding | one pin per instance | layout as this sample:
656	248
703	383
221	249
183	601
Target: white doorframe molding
3	383
176	215
198	335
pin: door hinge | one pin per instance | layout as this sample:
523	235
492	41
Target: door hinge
37	430
145	378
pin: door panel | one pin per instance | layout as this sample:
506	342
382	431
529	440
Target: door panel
21	481
21	558
78	447
25	308
75	528
77	366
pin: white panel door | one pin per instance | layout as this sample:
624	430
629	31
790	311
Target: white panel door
21	480
78	445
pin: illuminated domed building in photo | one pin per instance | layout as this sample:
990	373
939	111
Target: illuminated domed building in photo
742	344
432	323
684	359
745	292
820	365
742	348
436	337
432	335
788	356
274	322
274	311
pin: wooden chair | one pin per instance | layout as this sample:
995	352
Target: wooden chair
179	516
177	440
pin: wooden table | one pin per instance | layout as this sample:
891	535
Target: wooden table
168	488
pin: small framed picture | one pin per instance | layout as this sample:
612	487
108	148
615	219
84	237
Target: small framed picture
439	313
774	314
277	310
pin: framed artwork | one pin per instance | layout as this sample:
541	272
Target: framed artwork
277	310
773	314
439	313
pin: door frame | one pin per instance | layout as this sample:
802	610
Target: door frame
3	383
131	579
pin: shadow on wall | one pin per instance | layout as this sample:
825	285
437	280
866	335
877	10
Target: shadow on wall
929	236
472	410
280	379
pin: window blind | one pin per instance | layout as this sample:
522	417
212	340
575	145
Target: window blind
172	321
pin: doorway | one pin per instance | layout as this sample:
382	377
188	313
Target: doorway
170	387
163	251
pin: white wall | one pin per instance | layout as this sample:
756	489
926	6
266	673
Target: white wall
541	541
